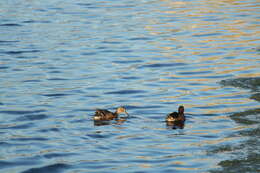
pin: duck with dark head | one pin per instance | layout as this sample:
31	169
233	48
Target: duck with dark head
105	115
176	119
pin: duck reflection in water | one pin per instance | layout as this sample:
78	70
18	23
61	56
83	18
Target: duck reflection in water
103	116
176	119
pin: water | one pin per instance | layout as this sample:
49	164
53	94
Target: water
59	60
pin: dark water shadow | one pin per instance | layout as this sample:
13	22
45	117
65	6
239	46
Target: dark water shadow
246	83
245	155
101	123
18	52
10	25
255	97
58	167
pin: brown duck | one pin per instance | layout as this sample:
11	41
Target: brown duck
105	115
176	116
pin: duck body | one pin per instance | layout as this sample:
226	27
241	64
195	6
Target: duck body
105	115
176	116
102	115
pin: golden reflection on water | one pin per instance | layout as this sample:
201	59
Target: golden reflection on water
238	69
207	42
187	169
212	141
145	165
250	75
232	28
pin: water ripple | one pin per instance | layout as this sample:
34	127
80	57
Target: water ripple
159	65
24	139
20	112
7	41
55	155
32	117
10	24
17	126
126	92
56	95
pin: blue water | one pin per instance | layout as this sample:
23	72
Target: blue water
60	60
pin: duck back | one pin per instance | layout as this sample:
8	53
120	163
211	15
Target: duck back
101	114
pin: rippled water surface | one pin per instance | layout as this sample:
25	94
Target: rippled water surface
60	60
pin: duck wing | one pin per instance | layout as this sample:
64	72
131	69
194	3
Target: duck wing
104	114
174	115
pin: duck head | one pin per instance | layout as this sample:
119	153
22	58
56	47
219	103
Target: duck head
121	110
181	110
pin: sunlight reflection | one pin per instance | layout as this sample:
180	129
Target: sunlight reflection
213	141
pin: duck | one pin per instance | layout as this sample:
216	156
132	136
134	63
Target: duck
105	115
176	116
